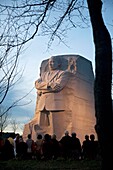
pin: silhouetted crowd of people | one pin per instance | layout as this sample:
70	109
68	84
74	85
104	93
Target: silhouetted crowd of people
47	147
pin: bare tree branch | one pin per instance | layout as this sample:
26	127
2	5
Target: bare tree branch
14	125
4	119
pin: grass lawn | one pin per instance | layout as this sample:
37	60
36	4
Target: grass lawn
51	164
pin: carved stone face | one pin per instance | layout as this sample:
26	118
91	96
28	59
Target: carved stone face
53	63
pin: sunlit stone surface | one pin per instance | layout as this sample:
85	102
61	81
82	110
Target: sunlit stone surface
74	109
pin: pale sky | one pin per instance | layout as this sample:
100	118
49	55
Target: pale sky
79	41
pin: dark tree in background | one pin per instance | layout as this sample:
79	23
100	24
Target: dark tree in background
4	118
103	81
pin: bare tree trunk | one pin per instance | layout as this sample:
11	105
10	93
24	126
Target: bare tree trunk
103	79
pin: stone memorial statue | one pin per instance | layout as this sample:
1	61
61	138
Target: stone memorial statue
65	99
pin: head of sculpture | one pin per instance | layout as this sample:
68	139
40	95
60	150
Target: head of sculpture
54	63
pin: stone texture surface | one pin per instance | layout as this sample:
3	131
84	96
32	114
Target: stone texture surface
78	97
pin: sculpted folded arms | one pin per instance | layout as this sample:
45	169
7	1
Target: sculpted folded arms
55	84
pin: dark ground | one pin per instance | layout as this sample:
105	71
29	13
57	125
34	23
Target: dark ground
59	164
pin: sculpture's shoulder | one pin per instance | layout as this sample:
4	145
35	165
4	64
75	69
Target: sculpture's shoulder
44	74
